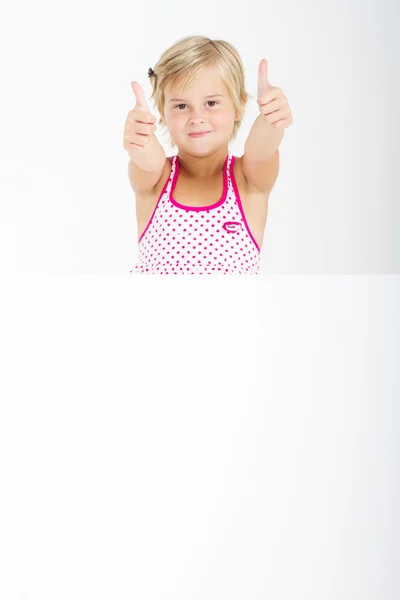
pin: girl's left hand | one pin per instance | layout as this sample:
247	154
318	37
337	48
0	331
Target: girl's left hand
272	102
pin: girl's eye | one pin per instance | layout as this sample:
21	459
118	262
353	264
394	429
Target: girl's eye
214	101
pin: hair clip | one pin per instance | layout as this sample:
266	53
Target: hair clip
150	72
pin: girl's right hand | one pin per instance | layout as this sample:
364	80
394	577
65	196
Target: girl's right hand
139	126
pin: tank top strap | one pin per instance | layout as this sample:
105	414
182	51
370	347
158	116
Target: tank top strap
173	174
229	167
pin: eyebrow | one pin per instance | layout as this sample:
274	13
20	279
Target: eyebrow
183	100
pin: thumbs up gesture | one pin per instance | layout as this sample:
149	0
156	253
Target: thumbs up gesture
272	102
140	125
141	103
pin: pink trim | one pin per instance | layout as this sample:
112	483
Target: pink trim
199	208
155	208
239	201
211	206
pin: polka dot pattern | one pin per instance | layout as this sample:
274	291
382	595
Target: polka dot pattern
186	240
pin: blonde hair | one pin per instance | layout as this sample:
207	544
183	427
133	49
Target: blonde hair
184	61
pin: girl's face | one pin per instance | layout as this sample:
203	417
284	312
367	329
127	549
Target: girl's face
205	106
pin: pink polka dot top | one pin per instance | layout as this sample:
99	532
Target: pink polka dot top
202	240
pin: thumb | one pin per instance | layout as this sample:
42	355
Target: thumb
140	97
263	83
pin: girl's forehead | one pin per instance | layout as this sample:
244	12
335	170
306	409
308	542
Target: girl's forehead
206	76
205	84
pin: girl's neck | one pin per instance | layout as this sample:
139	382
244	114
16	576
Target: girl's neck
202	167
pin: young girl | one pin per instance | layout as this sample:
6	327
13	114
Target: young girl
202	211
